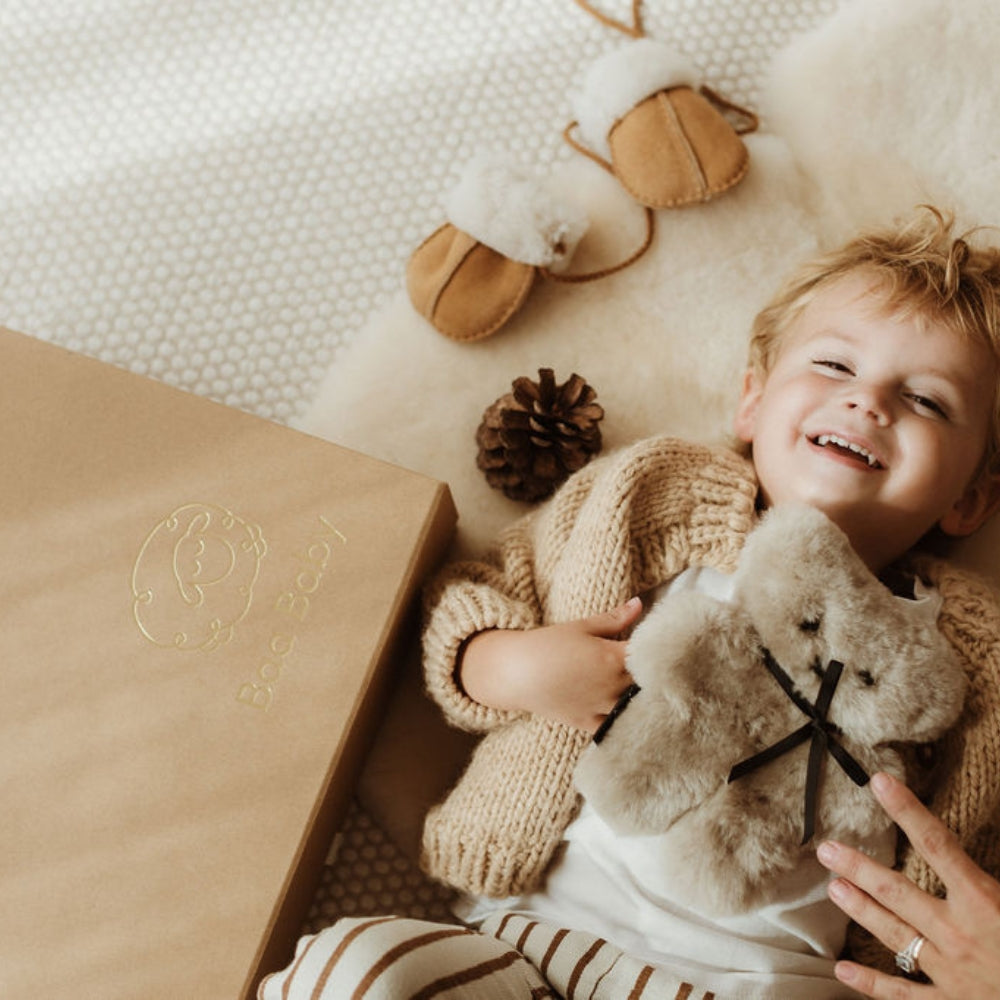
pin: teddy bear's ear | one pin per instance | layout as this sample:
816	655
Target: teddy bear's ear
815	558
918	694
806	590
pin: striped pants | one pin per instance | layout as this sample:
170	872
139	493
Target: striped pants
510	958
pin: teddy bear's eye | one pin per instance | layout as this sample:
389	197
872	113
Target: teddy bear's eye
809	625
866	678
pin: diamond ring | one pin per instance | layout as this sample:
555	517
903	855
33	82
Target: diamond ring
907	958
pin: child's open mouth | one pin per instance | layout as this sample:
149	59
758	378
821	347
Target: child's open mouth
847	449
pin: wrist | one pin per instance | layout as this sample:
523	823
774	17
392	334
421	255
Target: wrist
480	668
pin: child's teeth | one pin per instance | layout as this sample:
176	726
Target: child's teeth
824	439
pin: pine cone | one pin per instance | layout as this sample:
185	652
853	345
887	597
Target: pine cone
531	439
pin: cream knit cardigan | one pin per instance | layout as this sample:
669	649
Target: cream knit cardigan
624	524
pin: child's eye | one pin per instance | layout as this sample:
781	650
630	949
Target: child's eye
927	404
833	365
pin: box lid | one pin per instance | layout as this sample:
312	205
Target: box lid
196	609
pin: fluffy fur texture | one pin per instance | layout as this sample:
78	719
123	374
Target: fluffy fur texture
620	80
516	213
707	702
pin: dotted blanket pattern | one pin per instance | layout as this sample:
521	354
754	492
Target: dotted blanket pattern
219	194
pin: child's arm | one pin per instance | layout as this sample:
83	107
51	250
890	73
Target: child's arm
620	525
572	673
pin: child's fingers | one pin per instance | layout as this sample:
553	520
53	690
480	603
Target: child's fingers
612	623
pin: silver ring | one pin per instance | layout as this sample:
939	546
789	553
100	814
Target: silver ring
907	958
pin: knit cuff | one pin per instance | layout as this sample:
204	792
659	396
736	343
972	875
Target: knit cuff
495	833
461	611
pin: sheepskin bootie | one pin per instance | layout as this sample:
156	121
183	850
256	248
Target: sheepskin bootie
643	113
465	288
505	228
475	271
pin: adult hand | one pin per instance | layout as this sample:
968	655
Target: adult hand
961	951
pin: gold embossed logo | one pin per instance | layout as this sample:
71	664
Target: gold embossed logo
194	576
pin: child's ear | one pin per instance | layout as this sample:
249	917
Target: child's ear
746	409
974	507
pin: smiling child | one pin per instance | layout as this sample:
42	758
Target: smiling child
871	394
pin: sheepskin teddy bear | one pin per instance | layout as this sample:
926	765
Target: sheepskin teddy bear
754	724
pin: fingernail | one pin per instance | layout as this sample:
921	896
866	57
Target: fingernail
827	852
845	972
837	890
881	783
633	602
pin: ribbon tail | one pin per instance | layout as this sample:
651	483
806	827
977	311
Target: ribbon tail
770	753
602	730
848	764
816	751
830	678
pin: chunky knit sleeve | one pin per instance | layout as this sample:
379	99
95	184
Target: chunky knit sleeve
967	790
968	797
623	524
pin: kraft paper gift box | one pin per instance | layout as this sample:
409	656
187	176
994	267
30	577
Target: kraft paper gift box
198	612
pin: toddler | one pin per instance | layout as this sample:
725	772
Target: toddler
872	394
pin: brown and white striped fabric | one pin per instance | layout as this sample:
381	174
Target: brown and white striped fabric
512	957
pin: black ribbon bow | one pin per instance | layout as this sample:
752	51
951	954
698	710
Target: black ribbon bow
822	732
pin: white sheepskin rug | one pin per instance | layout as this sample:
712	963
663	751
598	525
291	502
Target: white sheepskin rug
889	103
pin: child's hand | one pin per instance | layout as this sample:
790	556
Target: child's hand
572	673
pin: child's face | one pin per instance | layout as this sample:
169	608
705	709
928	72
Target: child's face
879	420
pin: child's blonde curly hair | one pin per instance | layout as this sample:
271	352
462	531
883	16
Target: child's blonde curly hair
922	269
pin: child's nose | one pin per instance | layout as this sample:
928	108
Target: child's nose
873	400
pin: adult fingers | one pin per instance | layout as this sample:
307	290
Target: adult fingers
932	840
888	904
892	930
880	986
